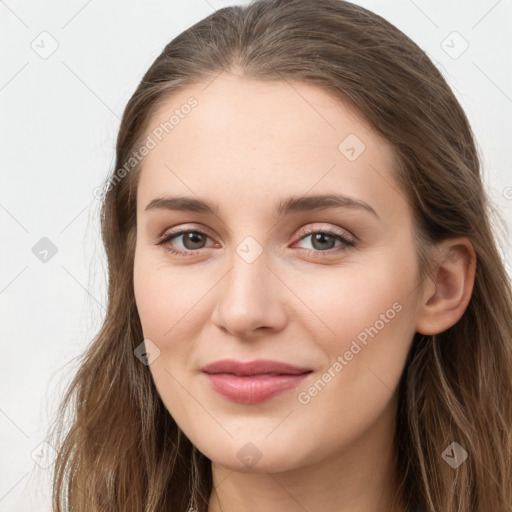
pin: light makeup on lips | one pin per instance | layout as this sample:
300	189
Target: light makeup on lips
254	381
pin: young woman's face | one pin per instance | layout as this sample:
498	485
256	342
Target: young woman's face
276	272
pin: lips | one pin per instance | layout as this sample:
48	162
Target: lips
254	381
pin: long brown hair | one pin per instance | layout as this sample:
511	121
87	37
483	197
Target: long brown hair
123	451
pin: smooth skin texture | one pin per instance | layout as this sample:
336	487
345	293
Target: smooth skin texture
247	146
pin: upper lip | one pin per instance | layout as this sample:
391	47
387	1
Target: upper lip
256	367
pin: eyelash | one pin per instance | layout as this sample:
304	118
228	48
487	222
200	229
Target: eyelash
346	242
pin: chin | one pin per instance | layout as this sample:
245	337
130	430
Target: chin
254	456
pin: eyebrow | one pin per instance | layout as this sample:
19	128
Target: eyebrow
289	205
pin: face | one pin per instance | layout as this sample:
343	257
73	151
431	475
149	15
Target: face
328	286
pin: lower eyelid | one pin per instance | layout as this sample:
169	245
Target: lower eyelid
344	245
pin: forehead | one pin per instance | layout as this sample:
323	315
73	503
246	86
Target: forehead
254	139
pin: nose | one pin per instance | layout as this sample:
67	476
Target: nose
251	299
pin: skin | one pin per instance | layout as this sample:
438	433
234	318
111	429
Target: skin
246	146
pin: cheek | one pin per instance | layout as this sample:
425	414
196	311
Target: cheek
155	303
369	318
372	317
168	301
349	301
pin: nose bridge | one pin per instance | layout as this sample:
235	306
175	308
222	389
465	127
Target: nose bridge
249	297
248	281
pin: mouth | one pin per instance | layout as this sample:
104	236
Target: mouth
255	381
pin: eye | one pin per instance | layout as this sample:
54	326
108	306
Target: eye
324	241
192	240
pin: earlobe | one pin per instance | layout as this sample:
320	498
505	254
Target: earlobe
453	274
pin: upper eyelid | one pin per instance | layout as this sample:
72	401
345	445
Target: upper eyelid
182	230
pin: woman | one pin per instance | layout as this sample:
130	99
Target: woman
243	366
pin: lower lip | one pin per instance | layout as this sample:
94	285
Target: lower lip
253	389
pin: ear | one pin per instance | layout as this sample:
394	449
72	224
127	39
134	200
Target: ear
446	297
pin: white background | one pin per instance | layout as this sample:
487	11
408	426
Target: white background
59	120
